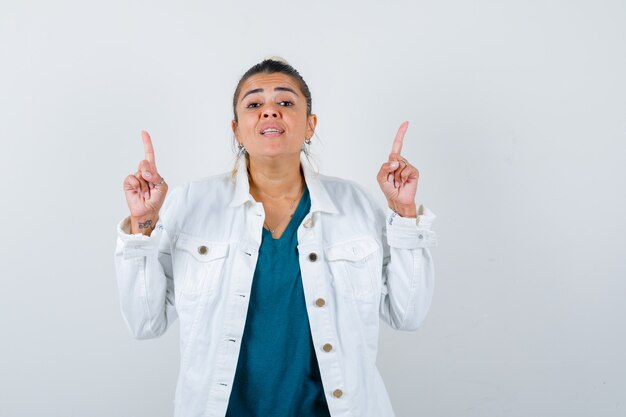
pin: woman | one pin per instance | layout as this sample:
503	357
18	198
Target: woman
277	274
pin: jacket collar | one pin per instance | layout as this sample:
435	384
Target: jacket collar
320	199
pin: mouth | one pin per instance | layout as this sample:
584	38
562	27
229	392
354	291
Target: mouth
272	131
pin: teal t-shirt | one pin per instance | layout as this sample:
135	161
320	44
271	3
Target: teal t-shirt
277	373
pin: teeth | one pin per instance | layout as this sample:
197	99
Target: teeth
271	131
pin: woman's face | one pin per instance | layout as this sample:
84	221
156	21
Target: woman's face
272	116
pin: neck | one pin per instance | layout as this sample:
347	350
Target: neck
274	178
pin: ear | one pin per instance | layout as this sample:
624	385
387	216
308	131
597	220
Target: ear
311	126
233	125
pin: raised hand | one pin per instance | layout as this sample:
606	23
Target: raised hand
398	179
145	191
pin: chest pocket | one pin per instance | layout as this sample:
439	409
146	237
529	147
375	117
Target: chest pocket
198	264
353	265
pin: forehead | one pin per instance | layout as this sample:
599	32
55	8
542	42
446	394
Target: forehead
268	82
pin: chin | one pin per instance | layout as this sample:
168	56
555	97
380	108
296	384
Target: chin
275	153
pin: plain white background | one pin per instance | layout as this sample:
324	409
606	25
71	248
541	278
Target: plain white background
518	128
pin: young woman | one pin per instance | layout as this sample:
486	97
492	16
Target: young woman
277	274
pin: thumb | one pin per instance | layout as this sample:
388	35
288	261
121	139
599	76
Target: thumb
391	166
386	169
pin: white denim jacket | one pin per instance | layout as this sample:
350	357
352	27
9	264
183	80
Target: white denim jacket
357	264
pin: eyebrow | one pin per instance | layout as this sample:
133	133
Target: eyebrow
260	90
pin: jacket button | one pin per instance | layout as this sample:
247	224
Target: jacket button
327	347
320	302
312	256
203	250
337	393
308	223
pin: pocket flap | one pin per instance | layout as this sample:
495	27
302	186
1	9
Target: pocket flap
353	250
201	249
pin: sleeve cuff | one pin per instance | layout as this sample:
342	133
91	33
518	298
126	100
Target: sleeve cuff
411	232
138	244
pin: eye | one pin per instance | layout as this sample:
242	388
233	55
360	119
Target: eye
286	103
252	105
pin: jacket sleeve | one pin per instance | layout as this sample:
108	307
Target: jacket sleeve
145	281
408	269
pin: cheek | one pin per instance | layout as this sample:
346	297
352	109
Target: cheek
299	121
247	126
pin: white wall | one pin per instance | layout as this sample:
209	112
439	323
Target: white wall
518	123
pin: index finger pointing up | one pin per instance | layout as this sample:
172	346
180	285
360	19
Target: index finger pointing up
397	142
147	146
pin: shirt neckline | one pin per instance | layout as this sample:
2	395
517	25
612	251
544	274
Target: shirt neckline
296	214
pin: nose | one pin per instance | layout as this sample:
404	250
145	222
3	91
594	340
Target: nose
270	111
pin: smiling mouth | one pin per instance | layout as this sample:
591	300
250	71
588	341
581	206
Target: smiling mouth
272	131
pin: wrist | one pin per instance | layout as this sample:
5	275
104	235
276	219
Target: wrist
404	210
143	224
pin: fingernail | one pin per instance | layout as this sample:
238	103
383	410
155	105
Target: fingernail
146	195
394	164
146	174
151	185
